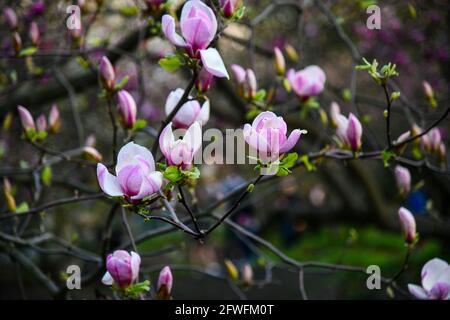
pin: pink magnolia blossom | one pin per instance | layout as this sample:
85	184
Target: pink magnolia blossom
204	81
41	123
239	73
307	82
432	140
107	73
127	109
335	112
165	282
34	33
123	268
26	118
408	224
135	178
181	152
246	80
228	7
198	26
54	119
189	113
349	131
10	17
280	62
268	135
435	281
403	178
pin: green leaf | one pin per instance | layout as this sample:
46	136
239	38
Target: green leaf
386	156
170	63
287	85
252	113
172	174
82	62
122	83
193	174
305	160
260	95
129	11
137	289
347	94
140	124
46	175
28	51
289	160
23	207
240	13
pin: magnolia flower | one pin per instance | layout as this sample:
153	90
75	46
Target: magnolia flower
403	178
165	282
136	176
34	33
408	224
251	83
198	28
181	152
92	154
204	81
246	81
10	17
26	119
107	74
123	268
239	73
349	131
127	109
189	113
280	62
335	112
307	82
435	281
228	7
54	120
268	135
432	140
41	123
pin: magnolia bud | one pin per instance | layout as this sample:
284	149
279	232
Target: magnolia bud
204	80
335	111
92	154
252	84
54	119
415	131
408	224
231	269
228	7
7	191
403	137
41	123
435	139
403	178
280	62
16	42
91	141
127	109
26	119
107	74
354	132
165	282
247	275
10	17
34	33
429	94
291	52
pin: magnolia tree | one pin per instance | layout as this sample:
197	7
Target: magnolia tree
126	121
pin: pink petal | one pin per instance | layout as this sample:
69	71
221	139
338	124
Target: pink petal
292	140
213	63
417	292
127	156
166	140
431	272
108	183
107	279
168	27
150	185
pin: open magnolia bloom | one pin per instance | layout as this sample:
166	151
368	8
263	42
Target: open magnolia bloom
307	82
135	178
198	26
189	113
349	131
181	152
435	281
123	268
268	136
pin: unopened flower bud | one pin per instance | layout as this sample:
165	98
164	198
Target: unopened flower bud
403	178
26	119
280	62
231	269
54	119
107	74
165	282
247	275
291	53
403	137
335	111
429	94
408	224
228	7
41	123
10	17
442	153
252	84
16	42
7	191
91	141
204	80
34	33
92	154
127	109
